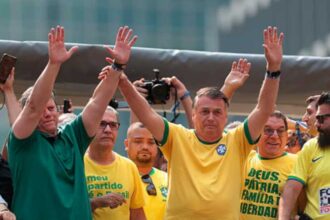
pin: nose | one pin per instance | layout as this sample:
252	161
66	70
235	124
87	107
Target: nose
107	129
275	132
304	118
210	116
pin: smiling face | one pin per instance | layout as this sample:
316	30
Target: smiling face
273	139
140	145
49	119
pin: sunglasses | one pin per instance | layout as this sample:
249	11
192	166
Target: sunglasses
151	189
320	118
113	125
269	132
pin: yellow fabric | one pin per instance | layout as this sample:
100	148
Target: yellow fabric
264	181
313	170
204	179
122	177
154	208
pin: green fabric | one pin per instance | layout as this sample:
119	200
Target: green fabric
48	174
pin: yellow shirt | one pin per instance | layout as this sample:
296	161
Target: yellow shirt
204	178
313	171
154	208
121	177
264	181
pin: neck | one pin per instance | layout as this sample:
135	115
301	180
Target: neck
103	156
209	138
143	170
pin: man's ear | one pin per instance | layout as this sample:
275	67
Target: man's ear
126	144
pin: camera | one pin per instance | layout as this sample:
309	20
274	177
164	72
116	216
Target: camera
158	90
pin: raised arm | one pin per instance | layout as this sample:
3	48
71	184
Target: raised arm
94	110
269	89
237	76
28	119
289	198
139	105
184	98
13	107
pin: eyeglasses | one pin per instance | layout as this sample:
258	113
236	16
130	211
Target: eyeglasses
113	125
151	189
320	118
269	132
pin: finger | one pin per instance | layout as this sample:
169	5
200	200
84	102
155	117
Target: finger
72	50
119	33
51	35
61	37
234	66
280	42
128	36
275	38
247	68
106	68
124	33
240	63
266	36
109	60
132	42
58	33
110	50
265	46
270	34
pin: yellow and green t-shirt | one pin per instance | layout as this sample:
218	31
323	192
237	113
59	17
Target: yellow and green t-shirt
263	183
154	208
204	178
121	177
313	171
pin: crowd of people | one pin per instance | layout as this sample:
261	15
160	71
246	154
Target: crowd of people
63	166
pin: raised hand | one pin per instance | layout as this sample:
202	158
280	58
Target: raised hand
273	48
238	75
58	54
122	49
9	84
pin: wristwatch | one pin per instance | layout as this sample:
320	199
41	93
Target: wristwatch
273	75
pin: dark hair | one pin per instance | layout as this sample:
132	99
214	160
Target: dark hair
212	93
324	99
280	115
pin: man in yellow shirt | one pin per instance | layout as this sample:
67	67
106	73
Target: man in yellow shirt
312	170
206	166
142	150
267	171
113	181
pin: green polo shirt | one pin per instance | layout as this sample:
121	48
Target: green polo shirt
48	174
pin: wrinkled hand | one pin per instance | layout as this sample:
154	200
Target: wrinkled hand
9	84
273	48
112	200
138	85
122	49
7	215
239	74
56	47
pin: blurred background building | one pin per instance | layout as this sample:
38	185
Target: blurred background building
204	25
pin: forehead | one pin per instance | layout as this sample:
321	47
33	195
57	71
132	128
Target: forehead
275	122
323	109
50	102
109	116
138	132
206	102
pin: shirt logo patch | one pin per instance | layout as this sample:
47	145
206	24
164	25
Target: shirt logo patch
163	190
324	200
316	159
221	149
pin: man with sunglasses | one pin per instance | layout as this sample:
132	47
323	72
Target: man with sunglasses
113	181
205	165
142	150
266	171
46	161
312	169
